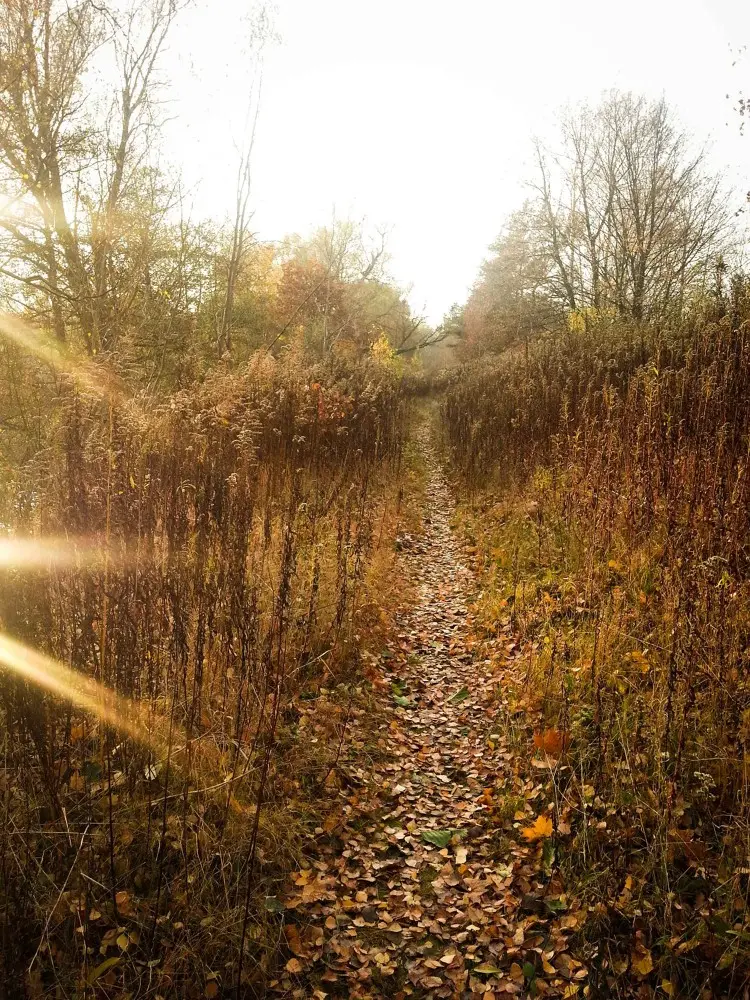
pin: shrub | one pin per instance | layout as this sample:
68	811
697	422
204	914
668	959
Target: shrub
210	555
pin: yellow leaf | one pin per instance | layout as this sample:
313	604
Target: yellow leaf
668	987
294	965
106	965
541	828
641	960
314	891
123	941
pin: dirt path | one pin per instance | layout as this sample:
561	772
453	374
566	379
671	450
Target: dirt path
416	891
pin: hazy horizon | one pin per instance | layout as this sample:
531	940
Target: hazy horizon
415	119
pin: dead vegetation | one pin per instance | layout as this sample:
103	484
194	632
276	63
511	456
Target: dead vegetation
215	576
606	506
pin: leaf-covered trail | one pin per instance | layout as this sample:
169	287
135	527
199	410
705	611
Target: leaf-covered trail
415	890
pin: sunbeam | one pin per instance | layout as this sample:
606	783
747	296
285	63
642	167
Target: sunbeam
131	718
46	553
85	373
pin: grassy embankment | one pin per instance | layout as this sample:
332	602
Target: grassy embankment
605	501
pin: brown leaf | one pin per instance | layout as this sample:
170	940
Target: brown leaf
124	904
293	939
314	891
552	741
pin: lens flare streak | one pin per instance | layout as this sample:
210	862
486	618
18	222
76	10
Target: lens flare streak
114	709
44	553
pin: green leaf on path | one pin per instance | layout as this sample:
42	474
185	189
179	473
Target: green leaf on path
441	838
459	696
401	700
488	970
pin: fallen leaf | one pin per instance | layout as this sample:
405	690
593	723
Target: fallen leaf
541	828
641	960
314	891
552	741
105	966
440	838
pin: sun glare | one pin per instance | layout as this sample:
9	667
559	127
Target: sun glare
131	718
82	370
46	553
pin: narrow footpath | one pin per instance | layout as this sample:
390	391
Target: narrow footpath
427	886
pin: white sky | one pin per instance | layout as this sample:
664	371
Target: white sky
418	113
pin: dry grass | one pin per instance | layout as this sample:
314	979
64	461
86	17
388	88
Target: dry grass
608	500
222	558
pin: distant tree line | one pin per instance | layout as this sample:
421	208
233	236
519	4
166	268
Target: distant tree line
625	219
96	246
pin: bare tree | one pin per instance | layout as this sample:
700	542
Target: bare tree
631	217
260	34
137	40
68	172
45	48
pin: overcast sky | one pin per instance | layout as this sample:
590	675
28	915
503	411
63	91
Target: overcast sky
417	113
